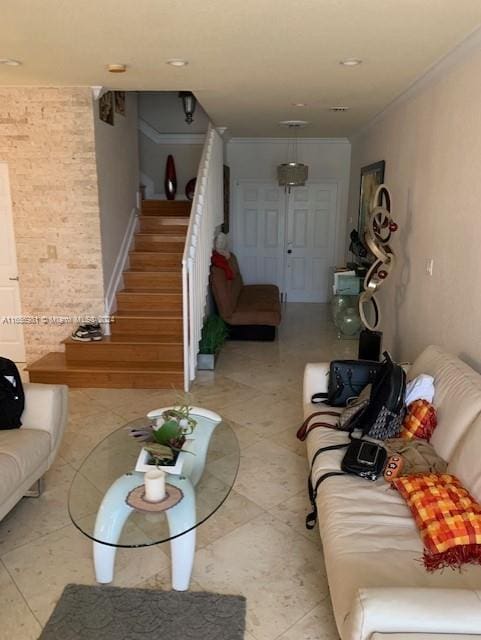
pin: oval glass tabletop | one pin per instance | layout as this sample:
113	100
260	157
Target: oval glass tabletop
107	475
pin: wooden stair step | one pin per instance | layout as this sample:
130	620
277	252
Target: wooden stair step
150	225
162	225
125	349
150	280
159	243
135	300
151	261
162	238
148	322
55	369
167	207
165	221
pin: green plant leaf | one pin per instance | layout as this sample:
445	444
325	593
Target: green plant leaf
214	334
170	430
159	451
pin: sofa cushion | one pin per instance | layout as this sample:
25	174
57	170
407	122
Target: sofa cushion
257	304
370	539
457	397
29	448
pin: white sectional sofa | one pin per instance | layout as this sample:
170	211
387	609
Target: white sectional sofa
26	453
379	587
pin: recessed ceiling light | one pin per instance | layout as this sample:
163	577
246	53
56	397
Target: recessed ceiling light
299	104
339	108
10	62
177	62
351	62
117	68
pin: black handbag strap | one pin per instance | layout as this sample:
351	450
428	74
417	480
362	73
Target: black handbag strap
311	517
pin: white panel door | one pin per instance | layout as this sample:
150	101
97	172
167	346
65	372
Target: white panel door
11	333
259	222
310	246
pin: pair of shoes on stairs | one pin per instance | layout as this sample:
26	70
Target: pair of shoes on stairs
88	332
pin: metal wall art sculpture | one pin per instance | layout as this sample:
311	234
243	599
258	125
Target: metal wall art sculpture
379	229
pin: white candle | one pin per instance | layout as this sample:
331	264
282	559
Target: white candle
154	485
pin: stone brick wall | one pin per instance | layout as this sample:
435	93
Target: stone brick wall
47	139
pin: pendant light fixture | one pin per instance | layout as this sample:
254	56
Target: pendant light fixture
292	173
189	103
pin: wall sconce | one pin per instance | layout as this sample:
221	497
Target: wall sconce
189	103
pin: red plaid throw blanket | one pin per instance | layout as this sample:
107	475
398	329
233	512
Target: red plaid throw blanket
448	519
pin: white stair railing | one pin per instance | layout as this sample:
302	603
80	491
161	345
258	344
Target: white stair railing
206	215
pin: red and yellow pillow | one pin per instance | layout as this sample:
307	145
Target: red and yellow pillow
447	516
420	421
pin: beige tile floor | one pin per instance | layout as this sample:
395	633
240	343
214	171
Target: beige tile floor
255	545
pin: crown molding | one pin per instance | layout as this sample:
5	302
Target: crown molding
98	91
300	141
436	71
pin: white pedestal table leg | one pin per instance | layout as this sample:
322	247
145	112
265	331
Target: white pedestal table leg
182	523
111	518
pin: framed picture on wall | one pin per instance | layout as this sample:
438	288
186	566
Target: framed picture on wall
119	97
226	225
371	177
106	108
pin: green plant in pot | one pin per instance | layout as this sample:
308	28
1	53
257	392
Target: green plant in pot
214	334
165	438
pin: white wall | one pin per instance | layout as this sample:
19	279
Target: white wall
118	179
153	158
257	159
163	112
431	142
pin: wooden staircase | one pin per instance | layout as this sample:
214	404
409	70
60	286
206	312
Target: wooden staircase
145	348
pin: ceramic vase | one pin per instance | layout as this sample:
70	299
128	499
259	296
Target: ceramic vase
170	181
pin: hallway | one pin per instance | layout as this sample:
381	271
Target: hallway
255	545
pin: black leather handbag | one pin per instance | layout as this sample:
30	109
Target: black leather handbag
364	459
347	378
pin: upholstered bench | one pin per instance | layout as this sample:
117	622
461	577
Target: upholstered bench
252	311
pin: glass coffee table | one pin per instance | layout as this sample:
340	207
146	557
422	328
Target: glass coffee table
107	476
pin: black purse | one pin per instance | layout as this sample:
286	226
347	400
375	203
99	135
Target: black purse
347	378
364	459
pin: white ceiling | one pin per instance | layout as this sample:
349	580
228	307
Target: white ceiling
249	60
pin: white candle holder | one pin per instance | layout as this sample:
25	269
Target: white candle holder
154	482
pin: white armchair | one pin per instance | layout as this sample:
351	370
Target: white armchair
27	453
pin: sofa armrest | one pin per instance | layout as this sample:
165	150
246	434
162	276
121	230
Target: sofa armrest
425	636
46	408
316	378
413	610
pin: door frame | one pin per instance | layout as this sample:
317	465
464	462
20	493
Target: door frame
11	231
235	204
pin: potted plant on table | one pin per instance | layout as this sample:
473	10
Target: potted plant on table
214	334
164	439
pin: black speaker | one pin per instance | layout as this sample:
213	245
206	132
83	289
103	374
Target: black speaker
370	343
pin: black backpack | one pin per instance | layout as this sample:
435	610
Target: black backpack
382	417
12	397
